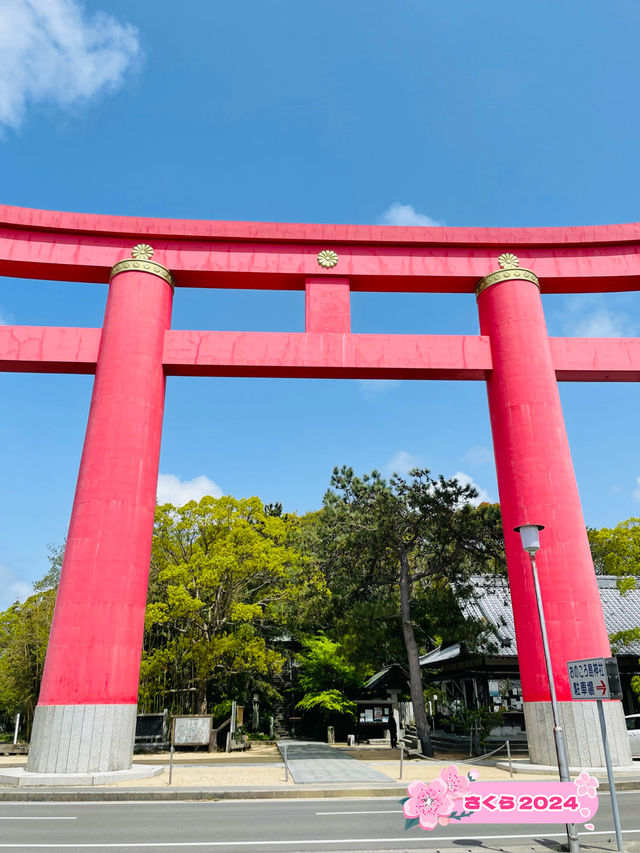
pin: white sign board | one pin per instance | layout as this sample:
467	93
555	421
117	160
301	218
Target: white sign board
588	679
192	731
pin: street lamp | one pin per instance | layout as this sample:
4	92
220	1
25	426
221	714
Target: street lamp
530	537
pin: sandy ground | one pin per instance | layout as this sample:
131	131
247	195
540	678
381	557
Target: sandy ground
265	775
220	769
427	770
212	776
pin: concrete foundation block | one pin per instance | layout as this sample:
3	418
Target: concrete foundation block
22	778
579	721
81	739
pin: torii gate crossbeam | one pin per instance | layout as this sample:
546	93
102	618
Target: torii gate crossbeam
85	719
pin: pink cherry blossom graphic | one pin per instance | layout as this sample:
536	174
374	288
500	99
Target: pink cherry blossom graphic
586	785
428	802
589	826
584	812
473	775
456	783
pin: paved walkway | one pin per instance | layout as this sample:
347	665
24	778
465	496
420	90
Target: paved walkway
312	761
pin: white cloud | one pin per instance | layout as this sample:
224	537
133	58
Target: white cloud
478	455
12	588
588	316
636	491
400	463
53	51
6	318
600	324
466	480
405	214
372	387
178	492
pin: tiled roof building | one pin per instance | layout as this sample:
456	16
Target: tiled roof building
489	675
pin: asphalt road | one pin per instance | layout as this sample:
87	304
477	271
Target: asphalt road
295	826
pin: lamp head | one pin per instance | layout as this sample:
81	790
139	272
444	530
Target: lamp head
529	534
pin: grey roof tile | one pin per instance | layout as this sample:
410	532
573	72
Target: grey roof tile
492	604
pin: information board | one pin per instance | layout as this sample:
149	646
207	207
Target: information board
588	678
192	731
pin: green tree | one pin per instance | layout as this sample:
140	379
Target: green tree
24	635
51	578
326	678
413	537
616	551
224	576
478	723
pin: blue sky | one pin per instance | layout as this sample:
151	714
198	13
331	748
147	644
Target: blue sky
403	112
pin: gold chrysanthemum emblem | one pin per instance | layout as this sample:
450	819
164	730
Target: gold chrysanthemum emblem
508	261
327	258
142	252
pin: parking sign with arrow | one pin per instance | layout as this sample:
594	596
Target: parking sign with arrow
589	678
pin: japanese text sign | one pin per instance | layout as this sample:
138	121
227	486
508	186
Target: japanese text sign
457	797
588	679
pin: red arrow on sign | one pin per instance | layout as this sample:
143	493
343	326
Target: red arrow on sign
602	686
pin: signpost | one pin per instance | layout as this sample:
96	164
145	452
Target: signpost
597	679
192	730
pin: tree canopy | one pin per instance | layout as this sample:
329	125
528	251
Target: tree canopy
326	678
616	551
412	537
24	634
224	575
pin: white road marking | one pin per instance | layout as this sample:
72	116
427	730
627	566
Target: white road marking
387	811
33	817
404	840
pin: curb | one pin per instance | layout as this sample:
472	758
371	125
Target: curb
92	795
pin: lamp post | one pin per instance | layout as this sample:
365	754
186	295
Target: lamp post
530	537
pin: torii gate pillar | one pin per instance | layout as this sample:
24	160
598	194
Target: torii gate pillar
537	485
86	715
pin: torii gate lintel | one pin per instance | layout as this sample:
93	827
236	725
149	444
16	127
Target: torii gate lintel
327	355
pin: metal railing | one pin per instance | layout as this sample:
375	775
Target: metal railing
476	760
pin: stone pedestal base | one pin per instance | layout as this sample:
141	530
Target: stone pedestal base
579	721
626	773
19	777
74	739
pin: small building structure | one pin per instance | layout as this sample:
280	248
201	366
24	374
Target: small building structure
489	676
379	710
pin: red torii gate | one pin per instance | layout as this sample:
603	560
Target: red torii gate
85	719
